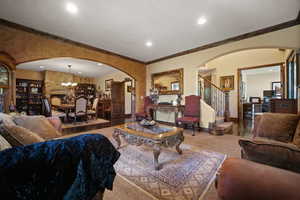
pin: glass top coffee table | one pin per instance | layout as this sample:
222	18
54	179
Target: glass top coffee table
153	136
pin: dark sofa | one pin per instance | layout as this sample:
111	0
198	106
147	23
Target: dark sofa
275	142
39	165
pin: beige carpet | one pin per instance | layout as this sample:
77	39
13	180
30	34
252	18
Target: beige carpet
226	144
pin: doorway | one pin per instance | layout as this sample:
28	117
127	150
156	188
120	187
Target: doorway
256	86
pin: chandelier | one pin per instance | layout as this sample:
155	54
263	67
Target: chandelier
68	83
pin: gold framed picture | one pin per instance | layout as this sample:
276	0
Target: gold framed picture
227	83
108	84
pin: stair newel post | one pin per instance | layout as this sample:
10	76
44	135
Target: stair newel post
226	114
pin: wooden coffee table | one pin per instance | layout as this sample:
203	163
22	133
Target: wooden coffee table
154	137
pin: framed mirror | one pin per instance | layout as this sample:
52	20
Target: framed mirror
168	82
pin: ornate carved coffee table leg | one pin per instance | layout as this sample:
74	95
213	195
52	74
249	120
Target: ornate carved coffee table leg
179	143
116	136
156	152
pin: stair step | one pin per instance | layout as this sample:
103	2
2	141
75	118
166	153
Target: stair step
219	120
223	128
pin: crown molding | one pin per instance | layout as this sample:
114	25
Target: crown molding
269	29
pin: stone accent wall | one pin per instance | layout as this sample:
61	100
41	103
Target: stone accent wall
53	80
25	45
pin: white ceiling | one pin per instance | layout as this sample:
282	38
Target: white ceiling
124	27
87	68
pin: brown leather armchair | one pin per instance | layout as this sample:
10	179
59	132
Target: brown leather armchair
275	142
240	179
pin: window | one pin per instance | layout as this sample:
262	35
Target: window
175	86
3	76
292	78
3	86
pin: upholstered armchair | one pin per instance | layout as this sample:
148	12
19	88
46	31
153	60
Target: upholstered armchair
144	113
275	141
191	113
93	112
48	112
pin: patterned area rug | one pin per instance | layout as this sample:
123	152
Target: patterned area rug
181	177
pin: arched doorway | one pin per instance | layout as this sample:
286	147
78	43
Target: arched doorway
7	82
230	65
91	79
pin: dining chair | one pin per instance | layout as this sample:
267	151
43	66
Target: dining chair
80	109
191	114
144	113
49	112
93	112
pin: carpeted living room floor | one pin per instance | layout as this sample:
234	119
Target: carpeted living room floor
226	144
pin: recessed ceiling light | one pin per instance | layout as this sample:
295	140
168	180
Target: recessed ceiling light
42	67
202	20
71	8
149	44
99	64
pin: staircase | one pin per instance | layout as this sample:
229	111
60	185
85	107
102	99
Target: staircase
218	100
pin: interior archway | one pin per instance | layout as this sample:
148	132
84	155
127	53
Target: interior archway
228	64
55	71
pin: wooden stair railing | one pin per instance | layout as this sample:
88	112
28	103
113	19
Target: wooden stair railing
214	96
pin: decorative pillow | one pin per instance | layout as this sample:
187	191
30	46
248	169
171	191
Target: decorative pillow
7	119
296	139
270	152
56	123
278	126
4	144
19	136
38	124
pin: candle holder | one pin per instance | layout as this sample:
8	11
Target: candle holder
154	95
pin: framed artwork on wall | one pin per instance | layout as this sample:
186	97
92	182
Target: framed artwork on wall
227	83
276	86
129	88
108	84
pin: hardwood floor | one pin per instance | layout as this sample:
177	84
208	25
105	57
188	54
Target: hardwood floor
226	144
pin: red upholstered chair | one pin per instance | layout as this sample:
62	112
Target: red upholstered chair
191	115
143	114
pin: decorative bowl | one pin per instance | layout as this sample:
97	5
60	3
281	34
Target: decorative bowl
145	122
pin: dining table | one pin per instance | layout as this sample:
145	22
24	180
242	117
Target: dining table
66	108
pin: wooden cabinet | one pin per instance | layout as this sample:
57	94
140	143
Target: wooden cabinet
114	108
28	96
249	110
284	106
86	89
104	109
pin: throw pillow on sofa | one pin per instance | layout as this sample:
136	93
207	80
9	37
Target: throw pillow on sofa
296	139
19	136
4	144
38	124
7	119
277	126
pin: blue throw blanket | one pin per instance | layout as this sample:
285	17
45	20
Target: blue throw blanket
68	169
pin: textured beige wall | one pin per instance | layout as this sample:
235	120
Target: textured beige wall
285	38
257	83
29	74
26	46
53	80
